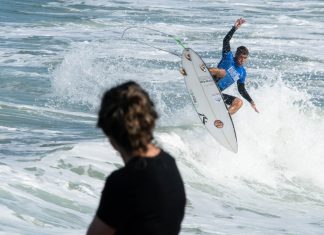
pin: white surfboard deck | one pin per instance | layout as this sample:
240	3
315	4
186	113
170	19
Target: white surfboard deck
208	100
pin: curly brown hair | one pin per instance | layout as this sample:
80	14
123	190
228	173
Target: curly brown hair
127	115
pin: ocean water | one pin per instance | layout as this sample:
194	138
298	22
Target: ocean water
58	57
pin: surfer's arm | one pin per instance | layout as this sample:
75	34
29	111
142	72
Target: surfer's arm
229	35
226	40
245	94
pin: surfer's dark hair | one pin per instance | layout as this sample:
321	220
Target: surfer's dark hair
241	50
127	115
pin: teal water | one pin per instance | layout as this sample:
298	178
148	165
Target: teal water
57	58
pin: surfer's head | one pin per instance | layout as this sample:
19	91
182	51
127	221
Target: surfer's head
241	55
127	116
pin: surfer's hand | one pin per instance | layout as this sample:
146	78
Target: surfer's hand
239	22
254	107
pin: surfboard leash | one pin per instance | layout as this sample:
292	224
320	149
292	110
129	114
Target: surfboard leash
174	37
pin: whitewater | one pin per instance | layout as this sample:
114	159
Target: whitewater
58	57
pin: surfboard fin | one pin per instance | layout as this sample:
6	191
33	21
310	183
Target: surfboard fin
188	57
203	67
182	71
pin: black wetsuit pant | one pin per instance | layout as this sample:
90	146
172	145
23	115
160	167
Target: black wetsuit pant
228	99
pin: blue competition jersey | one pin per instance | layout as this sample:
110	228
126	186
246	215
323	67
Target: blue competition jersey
233	72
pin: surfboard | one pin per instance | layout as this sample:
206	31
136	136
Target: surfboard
207	100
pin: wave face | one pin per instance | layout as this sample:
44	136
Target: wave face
58	57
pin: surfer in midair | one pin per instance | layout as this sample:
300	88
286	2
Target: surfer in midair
230	70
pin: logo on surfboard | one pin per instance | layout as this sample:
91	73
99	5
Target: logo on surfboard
204	119
193	97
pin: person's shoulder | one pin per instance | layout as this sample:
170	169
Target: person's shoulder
117	173
167	158
242	75
228	54
166	155
115	177
243	70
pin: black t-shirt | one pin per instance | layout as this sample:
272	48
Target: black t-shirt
146	196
